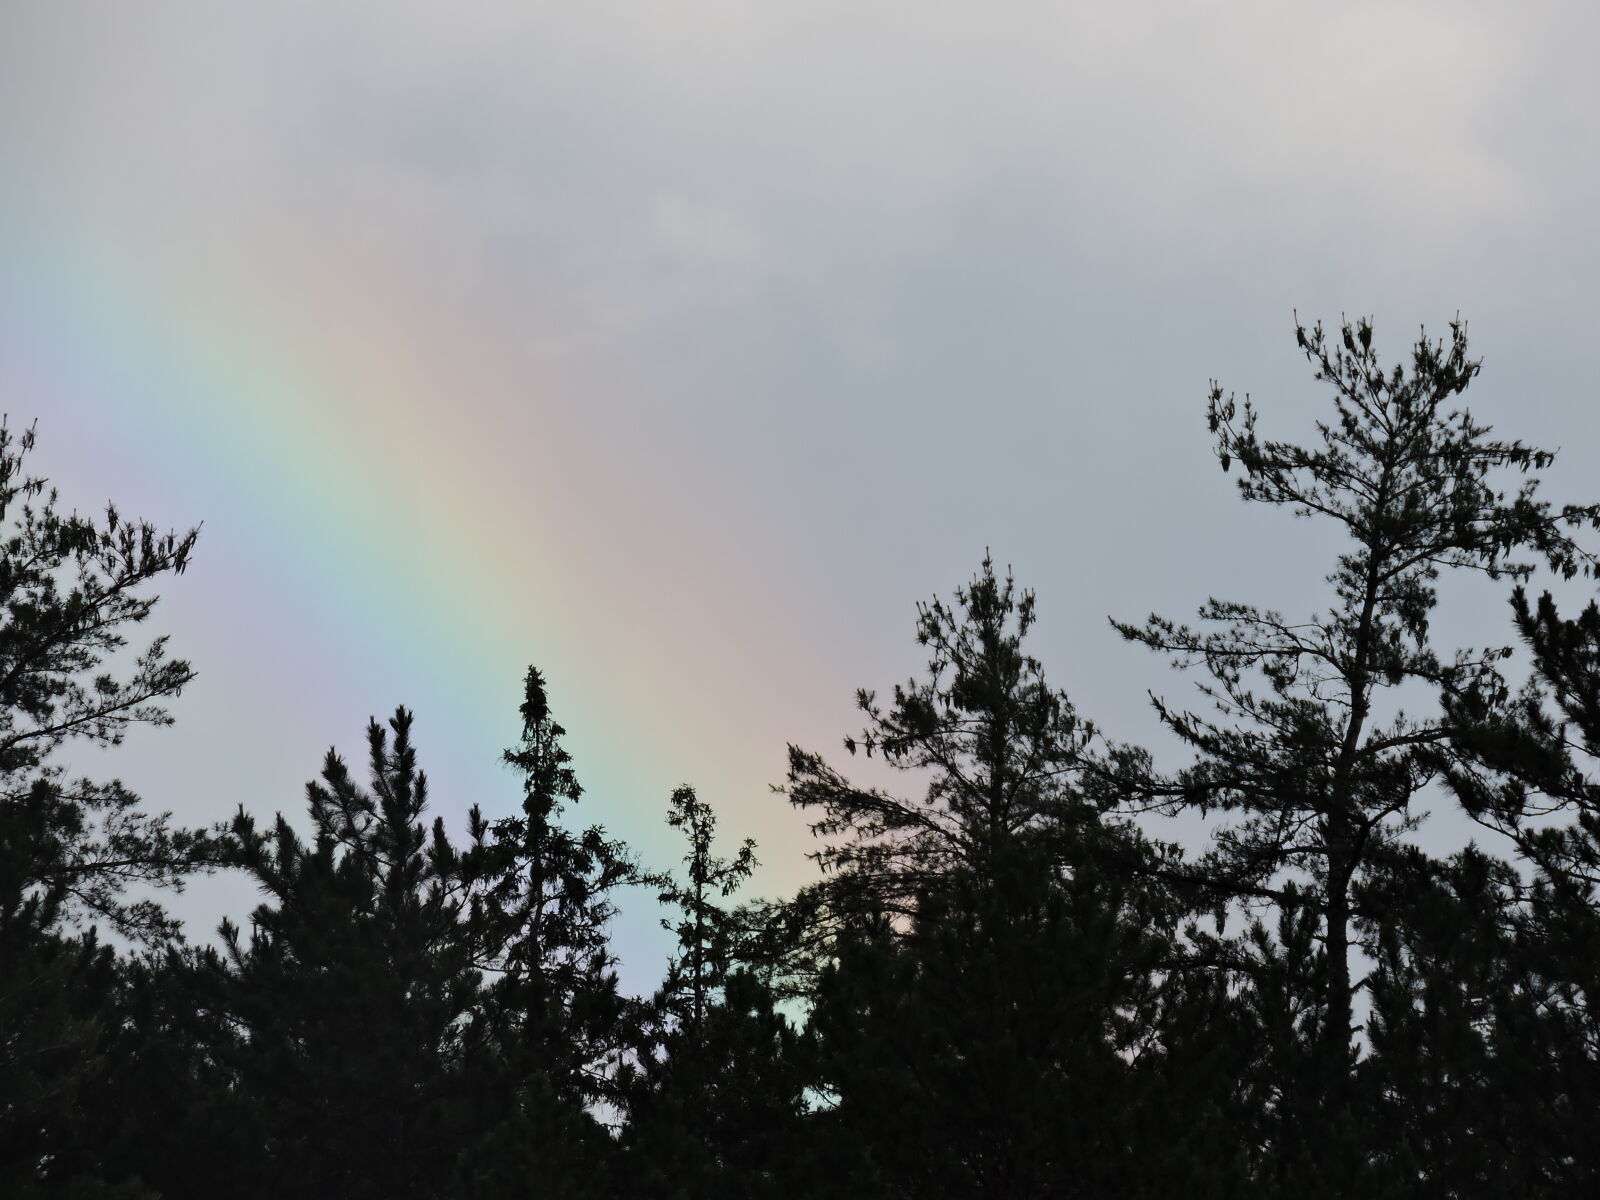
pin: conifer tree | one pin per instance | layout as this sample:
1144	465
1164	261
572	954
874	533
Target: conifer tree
980	1050
706	932
554	1025
999	746
1527	770
1321	776
1469	1099
981	974
354	985
166	1113
71	590
716	1102
75	854
54	1006
1538	752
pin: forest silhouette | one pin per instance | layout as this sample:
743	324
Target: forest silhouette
1007	978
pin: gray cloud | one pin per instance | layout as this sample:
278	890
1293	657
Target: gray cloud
859	289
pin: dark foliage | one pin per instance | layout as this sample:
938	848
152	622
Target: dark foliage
353	988
1322	777
716	1101
554	1028
73	852
1002	983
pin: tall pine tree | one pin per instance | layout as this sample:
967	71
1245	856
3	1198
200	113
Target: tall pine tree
1320	776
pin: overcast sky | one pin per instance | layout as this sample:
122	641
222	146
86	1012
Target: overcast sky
681	348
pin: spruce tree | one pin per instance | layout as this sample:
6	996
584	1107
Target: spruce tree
554	1026
707	934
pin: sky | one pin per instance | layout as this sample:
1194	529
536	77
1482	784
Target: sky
681	348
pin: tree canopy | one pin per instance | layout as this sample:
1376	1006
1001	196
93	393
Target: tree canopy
1009	977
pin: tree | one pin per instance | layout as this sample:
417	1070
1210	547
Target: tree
1463	1070
354	985
706	933
54	1002
74	853
1322	779
716	1100
166	1113
981	978
998	746
1525	765
1526	769
983	1049
71	589
555	1027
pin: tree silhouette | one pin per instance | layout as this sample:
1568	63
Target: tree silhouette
354	985
982	978
1322	779
539	902
716	1101
999	985
74	853
1525	769
998	746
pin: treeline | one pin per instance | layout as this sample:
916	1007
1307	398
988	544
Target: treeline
1003	982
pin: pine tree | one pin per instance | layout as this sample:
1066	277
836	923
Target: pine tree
1322	779
1526	769
1527	763
75	854
982	979
999	746
1459	1031
166	1114
71	588
354	985
55	995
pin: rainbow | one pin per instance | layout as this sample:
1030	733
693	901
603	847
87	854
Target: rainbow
340	422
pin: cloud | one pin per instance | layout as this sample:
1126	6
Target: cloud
838	294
